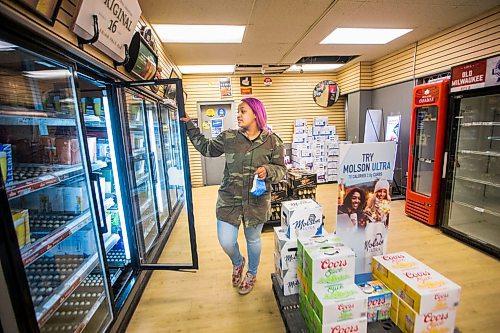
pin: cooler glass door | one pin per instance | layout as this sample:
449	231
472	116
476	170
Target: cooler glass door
168	138
159	176
140	173
54	202
424	148
475	194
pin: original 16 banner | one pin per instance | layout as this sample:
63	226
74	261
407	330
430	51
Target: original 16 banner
365	174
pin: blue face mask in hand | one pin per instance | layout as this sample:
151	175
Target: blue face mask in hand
259	186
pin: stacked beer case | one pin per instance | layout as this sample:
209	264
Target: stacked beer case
316	148
298	218
423	299
328	298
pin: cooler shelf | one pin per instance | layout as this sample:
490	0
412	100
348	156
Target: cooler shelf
479	181
61	294
34	118
41	246
56	175
483	153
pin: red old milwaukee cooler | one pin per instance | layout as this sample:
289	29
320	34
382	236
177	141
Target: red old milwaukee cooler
427	141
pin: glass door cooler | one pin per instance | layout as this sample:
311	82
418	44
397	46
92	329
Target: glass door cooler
425	162
471	210
52	203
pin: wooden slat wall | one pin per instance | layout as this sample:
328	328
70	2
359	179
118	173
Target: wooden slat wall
475	39
355	77
289	97
62	29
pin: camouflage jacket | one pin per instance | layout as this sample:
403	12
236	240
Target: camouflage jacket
235	203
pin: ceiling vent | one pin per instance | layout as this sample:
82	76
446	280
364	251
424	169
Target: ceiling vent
260	69
326	59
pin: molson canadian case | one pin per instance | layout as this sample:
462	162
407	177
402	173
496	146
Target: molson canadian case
409	321
328	264
338	302
287	280
301	218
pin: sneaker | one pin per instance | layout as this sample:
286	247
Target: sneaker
247	285
238	273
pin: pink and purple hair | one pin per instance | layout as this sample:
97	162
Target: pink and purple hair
259	110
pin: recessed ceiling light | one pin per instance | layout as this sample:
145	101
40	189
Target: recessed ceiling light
314	67
178	33
363	36
206	69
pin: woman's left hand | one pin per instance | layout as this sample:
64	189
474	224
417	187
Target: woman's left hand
261	172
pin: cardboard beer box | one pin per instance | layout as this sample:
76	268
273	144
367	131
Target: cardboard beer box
288	281
305	243
410	321
358	325
338	302
379	300
383	264
320	121
300	123
328	264
6	163
301	218
68	151
301	178
285	249
425	290
21	220
75	200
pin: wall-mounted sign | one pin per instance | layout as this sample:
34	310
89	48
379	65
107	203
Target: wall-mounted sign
246	85
221	112
206	124
210	112
225	87
143	61
268	82
326	93
477	74
46	9
117	21
217	125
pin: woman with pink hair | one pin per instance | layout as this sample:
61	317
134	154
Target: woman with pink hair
253	155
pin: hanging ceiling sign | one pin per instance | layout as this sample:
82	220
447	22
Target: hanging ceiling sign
117	20
477	74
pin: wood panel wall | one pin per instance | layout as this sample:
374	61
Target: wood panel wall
474	39
290	97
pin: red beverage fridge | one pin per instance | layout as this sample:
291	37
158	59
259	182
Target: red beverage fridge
426	155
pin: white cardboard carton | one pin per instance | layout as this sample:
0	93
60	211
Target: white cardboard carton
301	218
334	303
359	325
285	249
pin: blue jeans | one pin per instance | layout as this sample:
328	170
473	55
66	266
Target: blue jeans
228	238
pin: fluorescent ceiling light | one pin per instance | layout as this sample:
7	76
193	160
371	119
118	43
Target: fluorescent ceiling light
206	69
48	74
4	46
313	67
363	36
177	33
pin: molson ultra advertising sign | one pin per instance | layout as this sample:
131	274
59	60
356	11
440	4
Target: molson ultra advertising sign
428	95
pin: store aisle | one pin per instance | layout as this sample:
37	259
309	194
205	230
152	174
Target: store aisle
205	300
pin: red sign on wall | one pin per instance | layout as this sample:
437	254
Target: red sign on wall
477	74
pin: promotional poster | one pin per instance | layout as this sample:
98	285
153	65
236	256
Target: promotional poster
365	175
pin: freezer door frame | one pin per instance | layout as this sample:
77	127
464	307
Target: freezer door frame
140	86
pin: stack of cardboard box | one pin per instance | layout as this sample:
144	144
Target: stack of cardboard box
316	148
328	298
423	299
298	218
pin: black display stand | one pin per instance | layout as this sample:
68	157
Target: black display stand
294	322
